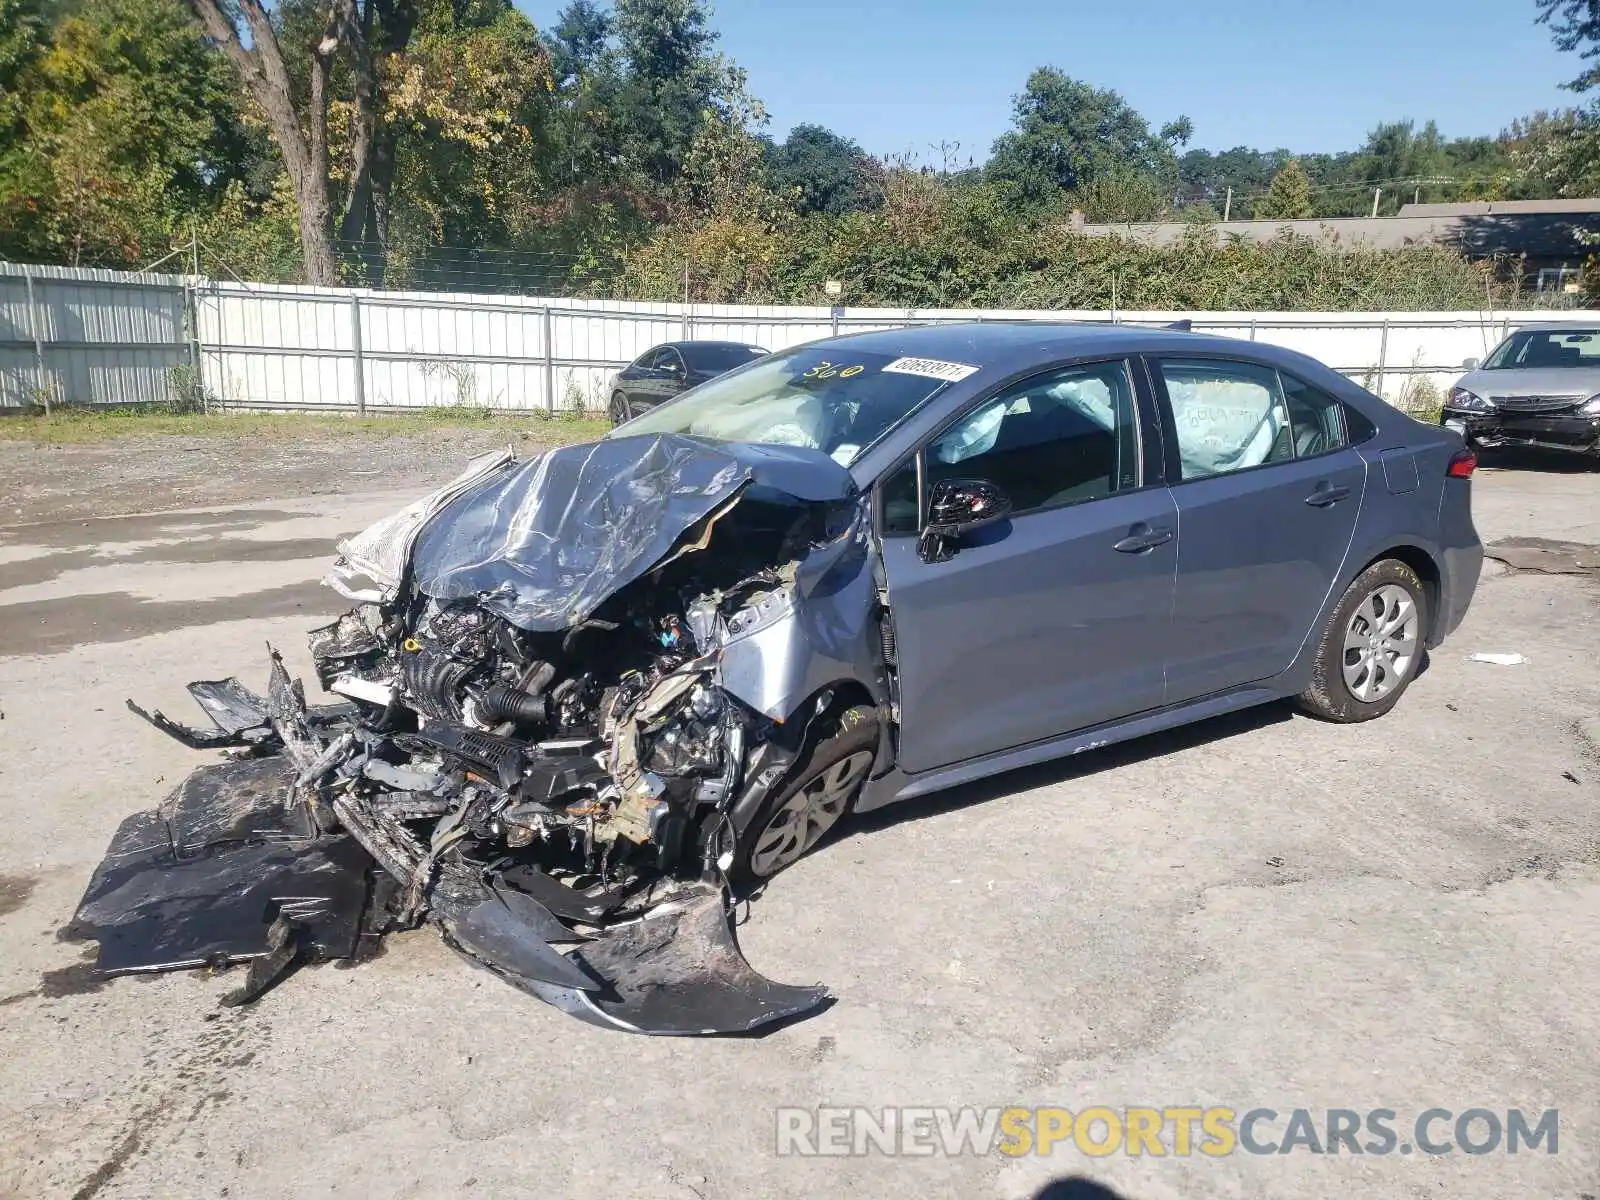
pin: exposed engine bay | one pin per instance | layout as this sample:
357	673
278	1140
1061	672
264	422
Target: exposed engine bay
566	688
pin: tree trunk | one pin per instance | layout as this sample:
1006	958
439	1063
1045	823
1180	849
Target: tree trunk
305	150
316	230
372	147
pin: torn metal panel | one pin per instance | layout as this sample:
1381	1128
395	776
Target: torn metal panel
372	564
200	880
678	972
544	544
239	715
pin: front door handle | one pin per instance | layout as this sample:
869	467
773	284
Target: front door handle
1142	538
1326	494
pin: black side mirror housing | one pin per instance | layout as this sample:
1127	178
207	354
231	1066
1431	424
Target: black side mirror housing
957	507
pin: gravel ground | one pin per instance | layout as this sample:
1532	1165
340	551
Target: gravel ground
146	474
1259	911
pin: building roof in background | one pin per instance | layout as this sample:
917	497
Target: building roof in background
1480	208
1481	229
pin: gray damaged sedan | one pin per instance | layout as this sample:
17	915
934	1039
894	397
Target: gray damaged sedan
585	701
1540	387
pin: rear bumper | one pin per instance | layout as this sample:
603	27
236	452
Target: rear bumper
1555	431
1458	583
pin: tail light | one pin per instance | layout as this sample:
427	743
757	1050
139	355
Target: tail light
1462	464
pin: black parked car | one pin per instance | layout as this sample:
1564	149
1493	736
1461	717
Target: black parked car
663	371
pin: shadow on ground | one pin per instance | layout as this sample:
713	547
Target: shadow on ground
1078	766
1076	1187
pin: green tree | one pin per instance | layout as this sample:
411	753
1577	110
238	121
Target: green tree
286	58
1289	197
1569	161
116	133
467	102
1121	196
1558	153
674	81
1068	134
821	170
1575	25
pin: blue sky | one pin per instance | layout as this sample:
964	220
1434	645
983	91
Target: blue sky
900	75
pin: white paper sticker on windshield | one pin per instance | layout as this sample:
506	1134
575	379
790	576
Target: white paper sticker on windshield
933	368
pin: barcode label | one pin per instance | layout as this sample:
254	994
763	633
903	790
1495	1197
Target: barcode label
932	368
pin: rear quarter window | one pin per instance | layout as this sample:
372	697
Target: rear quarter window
1357	428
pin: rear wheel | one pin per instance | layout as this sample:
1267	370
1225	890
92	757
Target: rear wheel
1371	647
821	788
621	410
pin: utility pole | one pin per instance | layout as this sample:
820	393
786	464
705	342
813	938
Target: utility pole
1376	193
687	324
1227	205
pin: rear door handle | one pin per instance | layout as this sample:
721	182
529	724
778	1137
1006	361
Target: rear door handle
1141	538
1325	494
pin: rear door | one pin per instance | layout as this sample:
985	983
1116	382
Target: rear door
1057	618
1268	489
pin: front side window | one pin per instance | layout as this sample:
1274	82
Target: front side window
1058	439
1546	348
828	398
1227	416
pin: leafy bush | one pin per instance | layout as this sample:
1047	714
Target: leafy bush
929	245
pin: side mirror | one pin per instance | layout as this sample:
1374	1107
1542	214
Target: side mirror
957	507
1469	364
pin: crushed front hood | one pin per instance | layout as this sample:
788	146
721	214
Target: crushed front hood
544	543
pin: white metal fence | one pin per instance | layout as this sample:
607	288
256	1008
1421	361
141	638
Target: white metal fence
93	337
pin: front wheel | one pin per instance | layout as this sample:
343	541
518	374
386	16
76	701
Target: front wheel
820	790
1371	647
621	410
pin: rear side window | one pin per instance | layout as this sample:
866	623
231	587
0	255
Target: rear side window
721	358
1227	416
1356	426
1316	419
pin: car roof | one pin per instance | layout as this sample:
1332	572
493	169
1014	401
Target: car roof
1016	345
693	342
1564	327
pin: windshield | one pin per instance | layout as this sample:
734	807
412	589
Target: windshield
719	358
1547	348
827	398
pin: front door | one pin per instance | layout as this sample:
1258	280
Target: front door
659	377
1268	490
1055	619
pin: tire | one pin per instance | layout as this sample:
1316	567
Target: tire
1353	638
621	410
821	788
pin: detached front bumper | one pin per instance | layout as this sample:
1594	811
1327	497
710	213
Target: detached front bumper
1570	431
248	862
